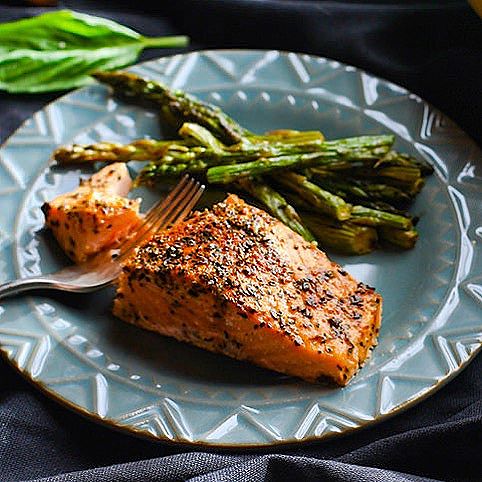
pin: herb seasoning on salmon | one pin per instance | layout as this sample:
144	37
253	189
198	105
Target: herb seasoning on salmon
236	281
96	215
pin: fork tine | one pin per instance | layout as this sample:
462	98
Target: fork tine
187	209
162	214
152	214
143	227
169	210
188	203
165	220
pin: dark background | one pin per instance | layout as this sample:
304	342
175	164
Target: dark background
434	49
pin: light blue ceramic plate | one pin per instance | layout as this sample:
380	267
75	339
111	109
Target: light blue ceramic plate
76	351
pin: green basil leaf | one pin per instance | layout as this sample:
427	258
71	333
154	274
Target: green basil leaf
58	50
32	71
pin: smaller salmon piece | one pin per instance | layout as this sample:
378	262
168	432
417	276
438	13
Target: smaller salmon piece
95	216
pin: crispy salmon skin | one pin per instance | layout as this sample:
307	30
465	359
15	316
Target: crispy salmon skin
236	281
96	215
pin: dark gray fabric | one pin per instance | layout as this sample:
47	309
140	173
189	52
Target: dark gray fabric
273	468
430	47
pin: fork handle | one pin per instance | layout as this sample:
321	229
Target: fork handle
25	284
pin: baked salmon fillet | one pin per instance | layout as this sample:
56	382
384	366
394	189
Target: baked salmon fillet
96	215
236	281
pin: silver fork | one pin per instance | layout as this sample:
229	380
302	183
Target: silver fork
105	268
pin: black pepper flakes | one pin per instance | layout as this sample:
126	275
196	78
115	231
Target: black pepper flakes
298	341
192	292
328	274
306	313
276	315
311	301
355	300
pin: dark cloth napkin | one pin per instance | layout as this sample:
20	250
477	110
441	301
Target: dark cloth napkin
433	48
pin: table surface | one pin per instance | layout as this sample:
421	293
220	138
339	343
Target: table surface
432	48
